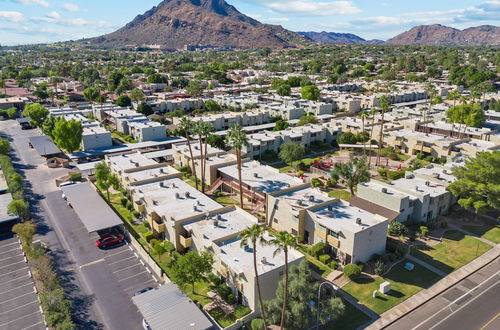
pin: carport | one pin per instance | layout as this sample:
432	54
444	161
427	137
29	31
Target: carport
44	146
92	210
169	308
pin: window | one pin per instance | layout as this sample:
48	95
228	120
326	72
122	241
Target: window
332	233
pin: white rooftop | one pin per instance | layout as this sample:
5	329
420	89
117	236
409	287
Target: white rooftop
126	162
240	260
304	198
263	178
175	199
341	216
419	187
151	173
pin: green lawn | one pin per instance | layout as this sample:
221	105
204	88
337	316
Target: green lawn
338	193
226	320
307	161
350	320
489	232
404	284
226	200
455	250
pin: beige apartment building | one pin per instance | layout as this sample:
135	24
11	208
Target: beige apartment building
351	234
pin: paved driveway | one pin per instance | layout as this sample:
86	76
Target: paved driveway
19	306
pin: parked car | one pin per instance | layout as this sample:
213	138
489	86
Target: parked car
109	240
143	291
145	325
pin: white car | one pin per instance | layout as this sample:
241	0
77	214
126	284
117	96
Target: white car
145	325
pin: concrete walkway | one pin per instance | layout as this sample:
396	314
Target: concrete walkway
426	265
452	226
423	296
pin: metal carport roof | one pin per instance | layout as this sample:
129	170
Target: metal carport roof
91	208
44	145
169	308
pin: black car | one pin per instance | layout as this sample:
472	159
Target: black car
143	291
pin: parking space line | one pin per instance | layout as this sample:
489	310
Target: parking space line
16	270
18	249
113	254
4	245
119	270
14	263
129	277
17	288
4	301
115	262
13	309
33	325
92	263
19	318
15	279
15	256
146	284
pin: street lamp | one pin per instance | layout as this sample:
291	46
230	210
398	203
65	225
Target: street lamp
319	296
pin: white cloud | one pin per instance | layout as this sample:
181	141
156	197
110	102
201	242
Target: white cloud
310	7
275	20
72	7
41	3
54	15
13	16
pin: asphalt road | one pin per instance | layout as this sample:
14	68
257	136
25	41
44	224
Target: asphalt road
99	283
473	303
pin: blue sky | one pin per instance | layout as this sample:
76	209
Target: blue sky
39	21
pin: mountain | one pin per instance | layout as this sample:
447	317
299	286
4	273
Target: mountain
337	38
447	36
173	24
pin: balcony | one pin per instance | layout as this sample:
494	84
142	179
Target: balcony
139	207
186	242
158	227
333	241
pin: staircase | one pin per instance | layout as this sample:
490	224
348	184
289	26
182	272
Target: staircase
215	186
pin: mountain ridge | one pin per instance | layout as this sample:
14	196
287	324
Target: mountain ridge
337	38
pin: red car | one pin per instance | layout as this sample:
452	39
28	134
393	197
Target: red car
109	240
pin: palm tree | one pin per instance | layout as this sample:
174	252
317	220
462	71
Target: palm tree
464	100
363	114
384	105
3	85
186	126
373	112
203	130
453	96
431	93
283	242
236	139
254	234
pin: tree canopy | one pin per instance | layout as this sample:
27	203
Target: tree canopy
467	114
478	182
310	92
37	114
67	134
145	109
192	267
291	152
307	119
355	171
303	290
4	146
124	101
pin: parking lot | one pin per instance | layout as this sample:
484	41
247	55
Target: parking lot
113	274
19	306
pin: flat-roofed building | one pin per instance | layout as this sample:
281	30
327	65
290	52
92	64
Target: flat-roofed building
147	131
168	204
316	217
96	137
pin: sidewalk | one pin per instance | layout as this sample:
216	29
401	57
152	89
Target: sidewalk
425	295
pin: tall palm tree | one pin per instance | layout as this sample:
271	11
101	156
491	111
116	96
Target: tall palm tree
3	85
464	100
254	235
363	114
186	126
431	94
373	112
384	105
203	130
236	138
453	96
284	241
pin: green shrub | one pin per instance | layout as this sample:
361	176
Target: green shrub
396	228
382	172
145	224
136	214
333	264
315	182
148	236
257	324
325	258
231	299
394	175
130	207
317	249
352	271
75	177
124	201
169	247
424	231
300	173
379	267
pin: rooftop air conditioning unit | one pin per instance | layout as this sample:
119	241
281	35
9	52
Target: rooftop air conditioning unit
216	222
311	198
187	194
219	217
255	175
427	183
384	190
177	195
330	207
195	208
162	184
358	221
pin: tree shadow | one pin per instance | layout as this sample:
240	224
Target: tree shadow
395	294
363	280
